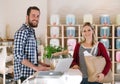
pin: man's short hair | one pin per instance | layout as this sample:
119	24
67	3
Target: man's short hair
32	8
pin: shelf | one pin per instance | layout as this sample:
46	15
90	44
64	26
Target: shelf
71	37
117	74
54	37
104	37
116	62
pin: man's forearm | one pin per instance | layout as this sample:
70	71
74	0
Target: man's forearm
28	64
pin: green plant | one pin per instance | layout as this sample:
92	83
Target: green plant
49	50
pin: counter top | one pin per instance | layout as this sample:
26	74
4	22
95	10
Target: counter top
72	76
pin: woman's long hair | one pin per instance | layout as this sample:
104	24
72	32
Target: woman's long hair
94	38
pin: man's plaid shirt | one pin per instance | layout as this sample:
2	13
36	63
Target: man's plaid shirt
25	47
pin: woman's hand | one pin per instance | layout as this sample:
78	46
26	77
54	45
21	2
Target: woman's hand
100	77
75	67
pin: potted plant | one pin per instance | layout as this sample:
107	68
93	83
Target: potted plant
53	53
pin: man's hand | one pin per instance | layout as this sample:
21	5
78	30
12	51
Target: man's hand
41	68
43	64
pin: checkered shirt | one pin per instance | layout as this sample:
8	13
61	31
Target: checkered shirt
24	48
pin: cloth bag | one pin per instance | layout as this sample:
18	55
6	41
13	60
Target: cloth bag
95	65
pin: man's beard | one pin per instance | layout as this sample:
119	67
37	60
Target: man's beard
31	24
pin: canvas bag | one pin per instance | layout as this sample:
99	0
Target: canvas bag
95	65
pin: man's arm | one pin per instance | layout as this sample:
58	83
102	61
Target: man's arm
32	66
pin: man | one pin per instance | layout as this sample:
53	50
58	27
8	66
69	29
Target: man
25	47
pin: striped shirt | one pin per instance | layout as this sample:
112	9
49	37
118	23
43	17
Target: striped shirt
25	47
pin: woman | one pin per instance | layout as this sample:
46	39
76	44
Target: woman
88	41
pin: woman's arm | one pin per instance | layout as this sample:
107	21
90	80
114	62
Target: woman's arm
76	55
103	52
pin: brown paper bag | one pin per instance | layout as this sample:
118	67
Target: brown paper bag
95	65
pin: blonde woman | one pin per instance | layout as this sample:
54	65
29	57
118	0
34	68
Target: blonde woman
88	40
